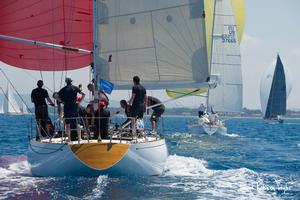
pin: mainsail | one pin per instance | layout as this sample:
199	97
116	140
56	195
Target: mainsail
225	60
67	22
274	90
162	41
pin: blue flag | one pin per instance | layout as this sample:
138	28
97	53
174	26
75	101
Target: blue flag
106	86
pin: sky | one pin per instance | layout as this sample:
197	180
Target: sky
272	26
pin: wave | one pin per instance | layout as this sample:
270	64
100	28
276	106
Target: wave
18	183
193	176
232	135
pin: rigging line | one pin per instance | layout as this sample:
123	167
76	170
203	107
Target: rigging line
53	61
169	100
15	90
39	62
177	92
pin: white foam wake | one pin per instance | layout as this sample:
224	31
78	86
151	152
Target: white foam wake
98	191
232	135
193	176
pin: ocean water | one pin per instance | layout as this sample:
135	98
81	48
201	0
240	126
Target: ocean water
254	160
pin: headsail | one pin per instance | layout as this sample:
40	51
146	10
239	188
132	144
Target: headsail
238	8
67	22
162	41
226	60
274	90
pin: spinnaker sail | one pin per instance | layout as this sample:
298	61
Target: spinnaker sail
275	87
67	22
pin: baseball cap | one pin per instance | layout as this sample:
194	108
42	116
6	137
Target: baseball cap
68	79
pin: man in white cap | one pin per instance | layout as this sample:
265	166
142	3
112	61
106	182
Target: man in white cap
68	95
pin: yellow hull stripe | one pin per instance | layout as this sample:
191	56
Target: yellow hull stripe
100	155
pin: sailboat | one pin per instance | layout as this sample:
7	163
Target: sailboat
224	28
225	67
275	87
24	110
161	41
10	104
1	107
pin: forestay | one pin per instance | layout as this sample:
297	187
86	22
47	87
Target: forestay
162	41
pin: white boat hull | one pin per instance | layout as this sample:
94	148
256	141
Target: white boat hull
59	159
211	129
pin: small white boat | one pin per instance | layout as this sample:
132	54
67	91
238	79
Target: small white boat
211	128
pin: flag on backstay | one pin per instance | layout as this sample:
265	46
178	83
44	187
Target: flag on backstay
106	86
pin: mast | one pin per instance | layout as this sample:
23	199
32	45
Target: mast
95	46
211	50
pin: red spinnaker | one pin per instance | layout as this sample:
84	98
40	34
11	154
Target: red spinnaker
64	22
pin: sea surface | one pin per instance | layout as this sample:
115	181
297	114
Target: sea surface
254	160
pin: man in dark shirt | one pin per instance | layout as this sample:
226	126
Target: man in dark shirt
38	96
67	95
87	117
137	101
158	109
102	116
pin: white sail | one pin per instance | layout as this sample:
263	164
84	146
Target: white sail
225	60
162	41
10	103
1	107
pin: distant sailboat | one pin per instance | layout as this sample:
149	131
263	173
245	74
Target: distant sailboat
224	28
1	107
24	110
275	87
10	104
225	66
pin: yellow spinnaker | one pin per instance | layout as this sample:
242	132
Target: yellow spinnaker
238	8
177	93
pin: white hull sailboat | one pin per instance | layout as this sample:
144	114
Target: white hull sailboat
224	21
10	105
275	87
225	67
210	128
125	38
146	156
